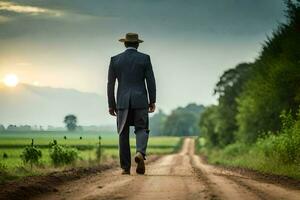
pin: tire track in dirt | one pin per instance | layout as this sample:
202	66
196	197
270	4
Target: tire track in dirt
171	178
267	190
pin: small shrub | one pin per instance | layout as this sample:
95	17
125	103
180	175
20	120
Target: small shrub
4	156
3	168
61	155
283	147
3	172
80	138
31	155
236	149
65	137
266	145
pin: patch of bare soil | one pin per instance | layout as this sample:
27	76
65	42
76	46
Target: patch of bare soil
28	187
283	181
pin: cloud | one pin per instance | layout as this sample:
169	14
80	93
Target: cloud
43	12
32	10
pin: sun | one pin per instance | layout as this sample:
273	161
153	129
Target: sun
11	80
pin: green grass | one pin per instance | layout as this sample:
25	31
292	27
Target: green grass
249	157
13	144
15	140
199	143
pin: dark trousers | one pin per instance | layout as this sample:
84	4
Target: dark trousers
139	119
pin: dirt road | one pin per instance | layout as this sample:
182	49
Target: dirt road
174	177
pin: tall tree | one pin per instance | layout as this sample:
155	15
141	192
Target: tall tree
157	123
228	89
209	126
183	121
71	122
2	128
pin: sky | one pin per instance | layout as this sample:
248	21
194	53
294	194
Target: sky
68	43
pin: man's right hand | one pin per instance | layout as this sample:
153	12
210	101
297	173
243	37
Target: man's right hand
151	107
112	111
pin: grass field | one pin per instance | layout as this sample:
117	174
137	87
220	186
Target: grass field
13	143
247	156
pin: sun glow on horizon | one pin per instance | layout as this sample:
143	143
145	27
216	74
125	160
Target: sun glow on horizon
11	80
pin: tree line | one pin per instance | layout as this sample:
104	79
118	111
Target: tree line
255	99
182	121
69	120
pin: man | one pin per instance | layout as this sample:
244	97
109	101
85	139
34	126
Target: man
134	100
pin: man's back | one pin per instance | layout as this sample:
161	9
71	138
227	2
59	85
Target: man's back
131	68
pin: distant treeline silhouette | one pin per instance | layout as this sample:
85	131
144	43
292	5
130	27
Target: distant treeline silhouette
12	127
183	121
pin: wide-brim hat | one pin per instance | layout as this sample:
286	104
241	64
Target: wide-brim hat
131	37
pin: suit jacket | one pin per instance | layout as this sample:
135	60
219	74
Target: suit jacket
131	68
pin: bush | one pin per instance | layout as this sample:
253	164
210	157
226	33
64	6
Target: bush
31	155
200	142
61	155
236	149
283	147
3	168
4	156
3	172
287	143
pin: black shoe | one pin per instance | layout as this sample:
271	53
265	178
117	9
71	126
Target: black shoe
139	159
126	172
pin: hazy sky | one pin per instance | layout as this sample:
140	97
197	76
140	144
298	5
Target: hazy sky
68	43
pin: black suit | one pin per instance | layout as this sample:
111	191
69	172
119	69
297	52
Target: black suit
132	69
